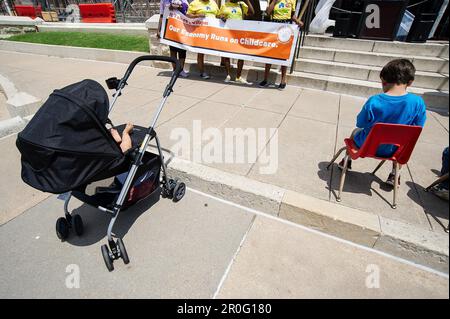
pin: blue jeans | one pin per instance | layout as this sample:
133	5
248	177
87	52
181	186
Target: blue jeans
444	169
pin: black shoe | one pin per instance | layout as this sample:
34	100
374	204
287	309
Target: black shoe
282	86
262	84
391	179
440	192
341	164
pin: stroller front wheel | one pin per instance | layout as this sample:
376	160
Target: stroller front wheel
62	228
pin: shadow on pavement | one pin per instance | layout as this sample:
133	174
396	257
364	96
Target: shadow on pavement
355	182
432	205
96	222
220	80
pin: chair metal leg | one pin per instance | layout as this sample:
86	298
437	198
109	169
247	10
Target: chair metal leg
335	157
378	167
397	173
342	180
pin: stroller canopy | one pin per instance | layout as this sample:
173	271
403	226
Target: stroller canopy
66	144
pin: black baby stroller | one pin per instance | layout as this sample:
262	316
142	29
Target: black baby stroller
67	147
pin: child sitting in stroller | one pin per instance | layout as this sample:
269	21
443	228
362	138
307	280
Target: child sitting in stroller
124	141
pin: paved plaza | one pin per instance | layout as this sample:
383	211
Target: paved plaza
311	127
185	251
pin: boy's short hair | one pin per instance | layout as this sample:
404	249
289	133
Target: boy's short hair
399	71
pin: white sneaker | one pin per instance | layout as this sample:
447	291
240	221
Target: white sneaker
242	81
227	79
184	74
205	76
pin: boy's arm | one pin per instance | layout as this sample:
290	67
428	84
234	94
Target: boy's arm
365	116
422	115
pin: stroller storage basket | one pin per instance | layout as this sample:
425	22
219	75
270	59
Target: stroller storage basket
145	182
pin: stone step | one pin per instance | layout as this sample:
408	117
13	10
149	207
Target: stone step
427	64
424	79
428	80
436	99
423	64
429	49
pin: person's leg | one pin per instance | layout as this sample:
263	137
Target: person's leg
283	77
341	163
182	59
126	139
200	62
391	178
266	75
441	189
227	63
201	66
240	66
445	168
173	55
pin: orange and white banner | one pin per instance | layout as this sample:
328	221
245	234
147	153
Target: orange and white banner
265	42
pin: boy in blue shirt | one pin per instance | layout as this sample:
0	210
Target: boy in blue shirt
395	106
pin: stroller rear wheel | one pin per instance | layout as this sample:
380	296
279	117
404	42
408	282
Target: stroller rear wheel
107	258
77	224
122	251
62	228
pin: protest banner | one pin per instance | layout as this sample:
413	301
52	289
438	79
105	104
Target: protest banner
265	42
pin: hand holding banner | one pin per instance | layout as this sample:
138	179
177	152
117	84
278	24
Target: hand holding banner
265	42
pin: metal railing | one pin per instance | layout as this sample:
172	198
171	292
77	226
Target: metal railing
307	16
126	10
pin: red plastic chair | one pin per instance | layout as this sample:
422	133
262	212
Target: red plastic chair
403	136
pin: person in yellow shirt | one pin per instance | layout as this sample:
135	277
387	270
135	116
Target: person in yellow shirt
201	9
234	9
280	11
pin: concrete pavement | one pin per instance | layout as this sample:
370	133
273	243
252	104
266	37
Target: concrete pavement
201	247
311	127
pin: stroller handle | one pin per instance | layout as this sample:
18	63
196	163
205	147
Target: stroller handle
136	61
